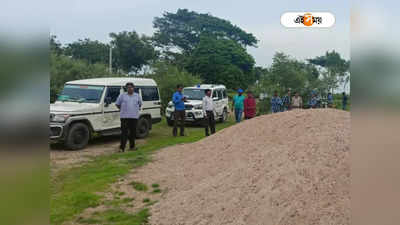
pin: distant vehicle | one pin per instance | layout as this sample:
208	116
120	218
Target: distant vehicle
194	105
85	107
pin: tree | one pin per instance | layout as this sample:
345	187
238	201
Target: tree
288	73
337	69
55	45
64	68
88	50
168	76
131	52
222	61
184	29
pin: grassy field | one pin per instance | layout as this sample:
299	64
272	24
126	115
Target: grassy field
75	189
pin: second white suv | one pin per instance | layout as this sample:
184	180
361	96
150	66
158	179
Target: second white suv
194	105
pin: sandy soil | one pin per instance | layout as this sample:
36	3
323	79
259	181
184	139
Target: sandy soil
281	169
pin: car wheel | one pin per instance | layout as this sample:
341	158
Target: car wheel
224	116
78	136
143	127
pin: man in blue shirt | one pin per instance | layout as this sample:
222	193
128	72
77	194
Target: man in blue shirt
313	101
179	115
330	100
276	103
238	105
287	101
129	104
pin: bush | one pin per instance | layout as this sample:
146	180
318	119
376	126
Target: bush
167	77
64	69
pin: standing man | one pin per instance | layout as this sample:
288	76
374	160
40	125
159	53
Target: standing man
297	101
179	102
344	101
238	104
249	106
330	100
129	105
209	112
287	101
276	103
313	101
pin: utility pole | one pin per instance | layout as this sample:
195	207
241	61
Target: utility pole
110	58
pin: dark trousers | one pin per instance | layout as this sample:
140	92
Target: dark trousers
179	118
128	130
209	122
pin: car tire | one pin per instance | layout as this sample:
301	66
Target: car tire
224	116
143	127
78	136
170	122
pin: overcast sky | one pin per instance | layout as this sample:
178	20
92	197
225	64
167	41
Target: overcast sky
95	19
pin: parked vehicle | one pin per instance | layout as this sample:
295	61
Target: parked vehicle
194	105
88	106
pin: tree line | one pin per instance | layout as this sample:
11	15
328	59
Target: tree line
193	47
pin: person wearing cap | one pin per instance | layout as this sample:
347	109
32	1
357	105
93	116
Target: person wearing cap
129	105
249	106
179	114
209	112
238	105
276	103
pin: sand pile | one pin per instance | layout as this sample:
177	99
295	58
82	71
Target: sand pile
282	169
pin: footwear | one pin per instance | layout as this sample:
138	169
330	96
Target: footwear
133	149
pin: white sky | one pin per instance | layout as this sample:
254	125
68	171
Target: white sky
95	19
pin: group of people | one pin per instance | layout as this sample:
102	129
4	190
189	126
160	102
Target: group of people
289	102
244	104
130	104
209	112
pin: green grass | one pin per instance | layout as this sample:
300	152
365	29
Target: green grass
157	190
118	217
155	185
139	186
146	200
75	189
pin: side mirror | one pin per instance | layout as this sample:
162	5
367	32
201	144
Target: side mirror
107	101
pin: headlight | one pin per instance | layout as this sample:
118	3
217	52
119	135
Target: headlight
198	107
170	104
60	117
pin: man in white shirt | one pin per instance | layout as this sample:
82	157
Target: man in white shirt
209	110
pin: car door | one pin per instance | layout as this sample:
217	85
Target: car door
220	102
216	101
110	111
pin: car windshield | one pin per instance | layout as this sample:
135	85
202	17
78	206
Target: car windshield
193	94
81	93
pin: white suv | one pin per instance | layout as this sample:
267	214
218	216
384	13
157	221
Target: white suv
88	106
194	105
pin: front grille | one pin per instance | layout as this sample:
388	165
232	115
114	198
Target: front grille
55	131
188	107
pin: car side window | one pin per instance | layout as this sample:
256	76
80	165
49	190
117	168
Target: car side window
220	94
113	93
150	94
214	94
224	93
